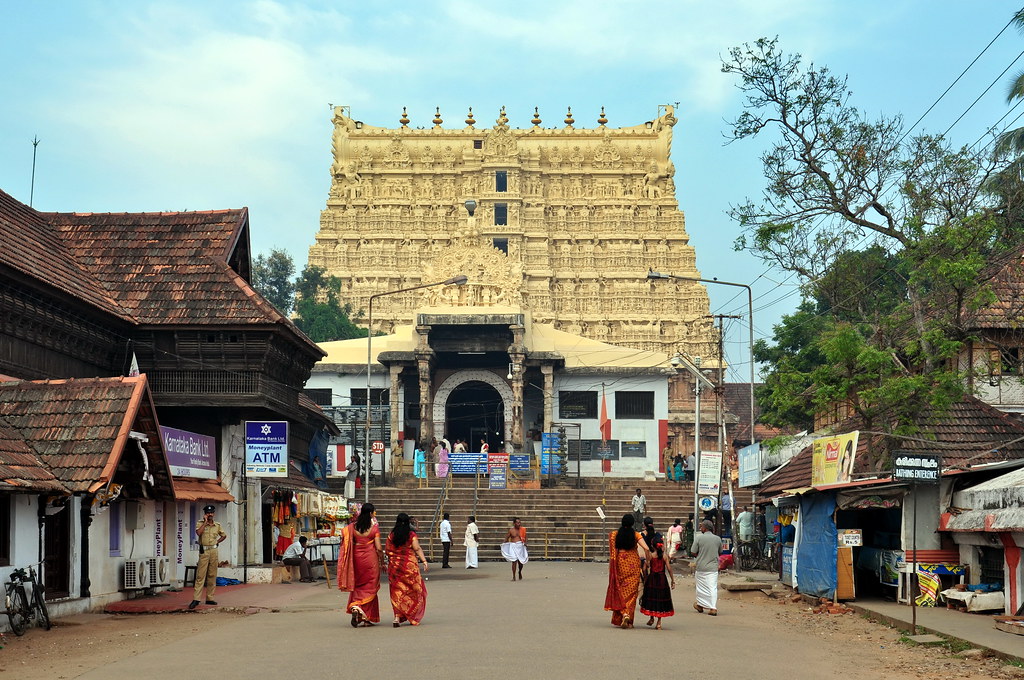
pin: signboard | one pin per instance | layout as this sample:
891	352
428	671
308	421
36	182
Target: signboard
633	449
588	449
707	503
377	447
519	462
851	538
498	477
266	448
190	454
750	465
923	468
710	470
832	459
467	463
497	458
549	462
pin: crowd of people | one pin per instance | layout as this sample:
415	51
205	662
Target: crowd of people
639	565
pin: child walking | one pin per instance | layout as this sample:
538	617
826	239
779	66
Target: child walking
656	601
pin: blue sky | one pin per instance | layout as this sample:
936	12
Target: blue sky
191	105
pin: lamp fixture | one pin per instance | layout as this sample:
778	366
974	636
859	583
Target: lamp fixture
470	206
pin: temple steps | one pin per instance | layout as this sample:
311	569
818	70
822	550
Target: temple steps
562	523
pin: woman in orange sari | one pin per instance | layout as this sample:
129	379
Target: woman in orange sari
408	591
624	572
359	565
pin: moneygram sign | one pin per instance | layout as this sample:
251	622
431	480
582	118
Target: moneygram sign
922	468
266	448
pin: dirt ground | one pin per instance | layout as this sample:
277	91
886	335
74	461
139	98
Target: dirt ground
742	636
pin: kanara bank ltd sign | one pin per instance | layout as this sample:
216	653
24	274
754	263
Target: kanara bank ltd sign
190	454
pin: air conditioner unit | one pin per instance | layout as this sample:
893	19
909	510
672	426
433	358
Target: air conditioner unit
162	573
136	573
151	565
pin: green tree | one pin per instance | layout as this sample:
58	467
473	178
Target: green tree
318	308
890	232
272	278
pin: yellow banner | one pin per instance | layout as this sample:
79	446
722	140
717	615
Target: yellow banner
833	458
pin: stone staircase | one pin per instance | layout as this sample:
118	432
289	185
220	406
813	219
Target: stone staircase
562	523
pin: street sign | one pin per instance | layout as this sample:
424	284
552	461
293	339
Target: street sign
851	538
377	447
498	477
707	503
266	448
922	468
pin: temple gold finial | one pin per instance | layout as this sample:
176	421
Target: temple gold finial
404	120
602	121
437	117
536	116
470	121
569	120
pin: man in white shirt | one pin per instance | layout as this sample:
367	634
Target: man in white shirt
446	541
691	467
295	556
745	520
639	508
472	542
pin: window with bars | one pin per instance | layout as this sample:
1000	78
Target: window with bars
634	405
501	244
501	181
577	405
321	395
990	564
378	396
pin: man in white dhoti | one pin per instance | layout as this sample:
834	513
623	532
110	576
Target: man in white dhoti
514	547
472	542
706	547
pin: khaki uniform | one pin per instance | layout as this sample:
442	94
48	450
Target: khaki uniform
206	570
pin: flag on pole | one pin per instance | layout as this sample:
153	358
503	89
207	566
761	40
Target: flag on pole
604	424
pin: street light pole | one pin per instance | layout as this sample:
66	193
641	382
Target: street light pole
750	312
459	280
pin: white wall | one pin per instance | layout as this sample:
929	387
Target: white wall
928	537
622	430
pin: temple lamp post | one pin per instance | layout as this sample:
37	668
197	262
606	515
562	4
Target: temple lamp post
651	274
454	281
701	381
750	314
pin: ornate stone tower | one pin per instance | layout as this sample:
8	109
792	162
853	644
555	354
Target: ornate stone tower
570	219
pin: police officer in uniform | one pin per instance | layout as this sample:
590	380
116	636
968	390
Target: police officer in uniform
210	536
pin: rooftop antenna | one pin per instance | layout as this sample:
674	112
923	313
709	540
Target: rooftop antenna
32	189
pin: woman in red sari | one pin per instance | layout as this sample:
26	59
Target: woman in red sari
624	572
359	565
408	591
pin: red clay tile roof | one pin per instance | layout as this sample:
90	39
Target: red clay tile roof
1007	284
737	402
20	468
148	268
192	489
30	245
964	436
79	428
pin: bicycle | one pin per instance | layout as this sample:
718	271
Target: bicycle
757	555
22	607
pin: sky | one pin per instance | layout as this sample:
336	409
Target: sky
153	105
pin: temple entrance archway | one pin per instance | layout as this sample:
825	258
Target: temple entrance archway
471	404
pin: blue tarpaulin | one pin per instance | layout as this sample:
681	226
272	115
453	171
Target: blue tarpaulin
816	551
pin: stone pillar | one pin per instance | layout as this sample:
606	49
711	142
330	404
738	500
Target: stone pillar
549	392
517	356
396	405
424	355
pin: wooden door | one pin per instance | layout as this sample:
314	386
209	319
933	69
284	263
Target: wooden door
845	589
57	553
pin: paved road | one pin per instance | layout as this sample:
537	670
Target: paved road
481	625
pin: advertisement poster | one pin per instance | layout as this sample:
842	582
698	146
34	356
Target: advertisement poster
709	469
833	458
266	448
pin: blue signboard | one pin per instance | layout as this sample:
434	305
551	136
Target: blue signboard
499	477
750	465
549	445
266	448
466	463
519	461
